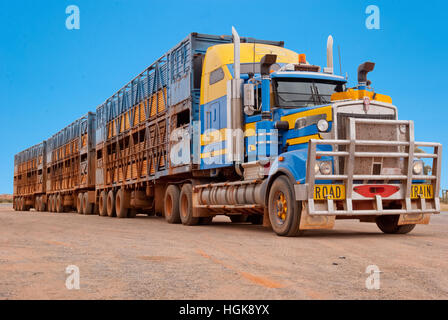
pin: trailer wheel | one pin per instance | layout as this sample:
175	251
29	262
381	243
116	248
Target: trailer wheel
37	203
110	204
59	204
186	206
389	224
79	208
53	203
102	206
49	208
284	210
171	204
42	204
120	204
87	207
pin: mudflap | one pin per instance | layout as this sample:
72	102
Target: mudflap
308	222
414	218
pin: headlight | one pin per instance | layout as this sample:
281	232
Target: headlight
316	168
417	167
322	125
325	167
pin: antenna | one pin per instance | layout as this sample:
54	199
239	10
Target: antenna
340	64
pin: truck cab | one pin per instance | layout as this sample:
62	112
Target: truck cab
294	145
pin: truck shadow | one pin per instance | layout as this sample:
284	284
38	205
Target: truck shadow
342	233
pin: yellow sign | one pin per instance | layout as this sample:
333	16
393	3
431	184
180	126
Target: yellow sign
329	191
424	190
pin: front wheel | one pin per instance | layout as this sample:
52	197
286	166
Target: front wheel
389	224
284	210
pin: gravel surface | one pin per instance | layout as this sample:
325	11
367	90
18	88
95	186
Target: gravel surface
146	258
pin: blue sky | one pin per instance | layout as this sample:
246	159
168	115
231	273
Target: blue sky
49	76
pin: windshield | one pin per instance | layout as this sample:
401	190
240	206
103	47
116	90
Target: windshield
293	93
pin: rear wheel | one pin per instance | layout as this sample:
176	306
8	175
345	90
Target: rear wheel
186	206
121	205
389	224
37	203
59	204
87	207
171	204
79	207
110	204
42	204
49	204
284	210
20	203
102	206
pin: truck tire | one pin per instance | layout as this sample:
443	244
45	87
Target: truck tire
110	204
79	207
19	204
37	203
49	208
186	206
42	203
102	205
240	218
121	206
171	204
59	204
284	210
389	224
53	203
87	207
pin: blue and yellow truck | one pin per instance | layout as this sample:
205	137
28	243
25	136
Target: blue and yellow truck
223	125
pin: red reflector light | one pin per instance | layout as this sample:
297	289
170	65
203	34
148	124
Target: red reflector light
372	190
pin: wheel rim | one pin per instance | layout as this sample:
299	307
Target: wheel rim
280	207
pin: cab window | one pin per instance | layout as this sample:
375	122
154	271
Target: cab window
216	75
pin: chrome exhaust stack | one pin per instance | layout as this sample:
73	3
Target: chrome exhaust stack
234	133
329	67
